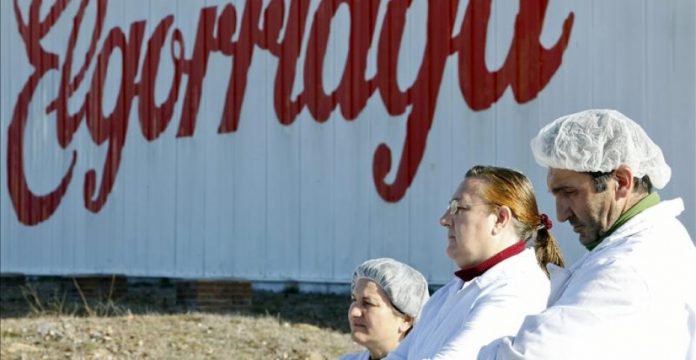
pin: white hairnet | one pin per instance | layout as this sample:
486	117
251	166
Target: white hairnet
406	288
600	140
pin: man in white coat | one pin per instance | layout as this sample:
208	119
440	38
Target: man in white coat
633	295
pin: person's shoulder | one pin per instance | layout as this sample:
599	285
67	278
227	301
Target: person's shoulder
519	275
521	267
660	220
642	246
359	355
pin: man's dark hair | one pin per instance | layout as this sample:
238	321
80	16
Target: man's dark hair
642	184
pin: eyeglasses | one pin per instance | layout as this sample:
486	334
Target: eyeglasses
454	207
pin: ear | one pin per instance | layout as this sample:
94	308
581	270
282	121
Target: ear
406	324
503	217
624	181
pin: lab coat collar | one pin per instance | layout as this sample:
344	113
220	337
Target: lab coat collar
664	210
505	268
471	272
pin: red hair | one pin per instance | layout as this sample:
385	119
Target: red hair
507	187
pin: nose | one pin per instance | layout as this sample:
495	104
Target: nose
445	219
563	211
354	311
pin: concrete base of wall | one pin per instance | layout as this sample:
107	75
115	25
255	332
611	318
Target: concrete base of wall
98	287
9	279
216	294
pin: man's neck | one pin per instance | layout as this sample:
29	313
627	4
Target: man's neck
633	199
644	202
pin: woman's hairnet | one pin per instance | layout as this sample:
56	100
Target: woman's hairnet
600	140
406	288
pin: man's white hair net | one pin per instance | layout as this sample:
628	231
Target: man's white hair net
406	288
600	140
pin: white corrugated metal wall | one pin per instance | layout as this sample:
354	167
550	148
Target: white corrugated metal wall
276	202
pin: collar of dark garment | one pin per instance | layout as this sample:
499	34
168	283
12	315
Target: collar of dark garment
469	273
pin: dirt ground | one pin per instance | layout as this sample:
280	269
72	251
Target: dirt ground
45	321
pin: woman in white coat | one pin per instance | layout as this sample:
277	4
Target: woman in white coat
490	218
387	298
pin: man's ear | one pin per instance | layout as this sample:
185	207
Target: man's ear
503	216
624	181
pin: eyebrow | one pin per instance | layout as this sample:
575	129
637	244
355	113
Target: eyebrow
364	297
370	299
560	188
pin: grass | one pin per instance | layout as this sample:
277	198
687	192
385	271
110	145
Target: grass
49	320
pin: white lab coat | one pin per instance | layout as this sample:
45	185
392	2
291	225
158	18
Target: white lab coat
361	355
632	297
460	318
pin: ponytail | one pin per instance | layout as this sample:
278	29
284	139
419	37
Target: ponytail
546	249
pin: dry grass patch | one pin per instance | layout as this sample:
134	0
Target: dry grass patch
49	325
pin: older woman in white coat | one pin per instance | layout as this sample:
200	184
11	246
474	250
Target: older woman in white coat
490	218
387	298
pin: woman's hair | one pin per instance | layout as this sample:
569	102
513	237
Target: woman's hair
507	187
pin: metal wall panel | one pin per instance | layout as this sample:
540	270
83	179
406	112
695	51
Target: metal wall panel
297	201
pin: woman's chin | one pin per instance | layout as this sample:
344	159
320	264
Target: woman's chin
358	335
454	255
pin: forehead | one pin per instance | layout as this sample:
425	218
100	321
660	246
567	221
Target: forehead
557	179
367	287
468	190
